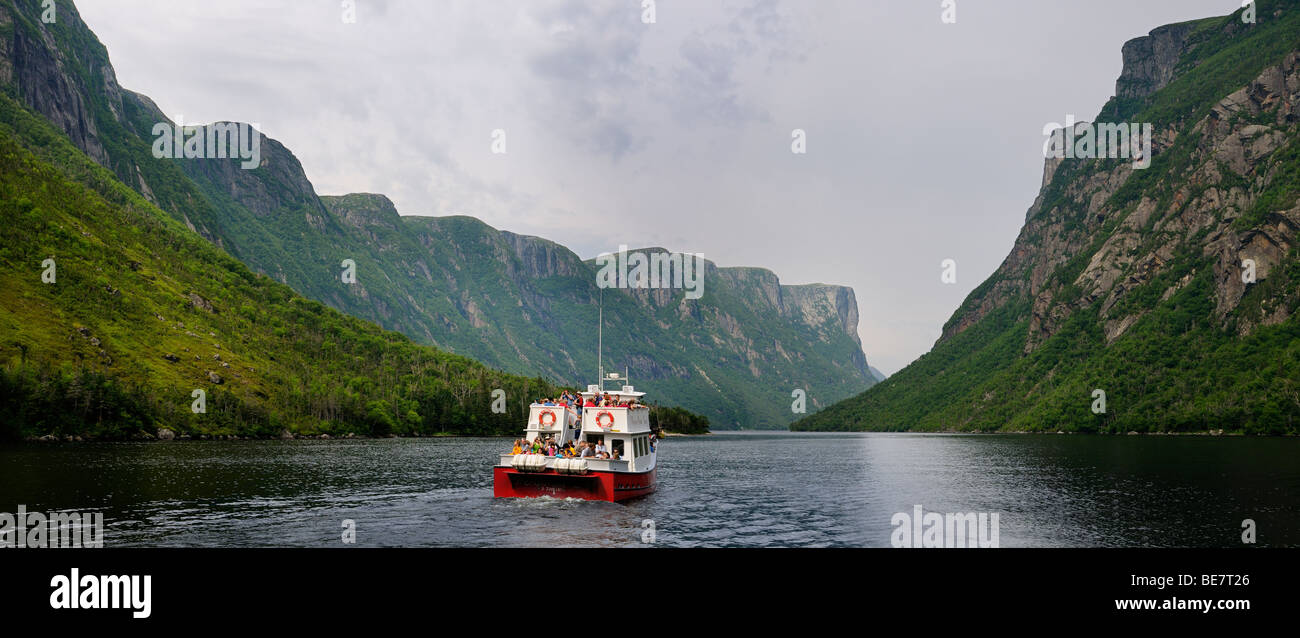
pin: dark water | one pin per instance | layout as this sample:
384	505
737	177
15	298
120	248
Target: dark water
775	489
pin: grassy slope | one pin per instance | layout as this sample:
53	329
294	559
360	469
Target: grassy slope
122	263
282	243
1175	370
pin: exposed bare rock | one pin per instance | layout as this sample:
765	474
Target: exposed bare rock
1150	234
1149	61
199	302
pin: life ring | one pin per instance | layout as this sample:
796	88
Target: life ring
541	418
602	414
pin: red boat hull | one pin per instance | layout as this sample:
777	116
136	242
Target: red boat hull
508	482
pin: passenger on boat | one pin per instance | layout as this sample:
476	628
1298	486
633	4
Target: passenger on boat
601	452
585	450
519	448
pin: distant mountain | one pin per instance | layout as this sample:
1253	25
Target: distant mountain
528	305
116	321
523	304
1172	289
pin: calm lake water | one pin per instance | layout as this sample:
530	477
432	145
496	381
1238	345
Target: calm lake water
727	489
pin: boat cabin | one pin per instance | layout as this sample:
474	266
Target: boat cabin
622	425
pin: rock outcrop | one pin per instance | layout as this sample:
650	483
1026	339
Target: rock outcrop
1169	287
1149	61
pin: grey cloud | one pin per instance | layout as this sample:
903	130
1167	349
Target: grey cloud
923	137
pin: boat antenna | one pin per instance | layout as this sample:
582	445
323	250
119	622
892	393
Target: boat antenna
600	341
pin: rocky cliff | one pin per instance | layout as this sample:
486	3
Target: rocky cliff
523	304
1169	288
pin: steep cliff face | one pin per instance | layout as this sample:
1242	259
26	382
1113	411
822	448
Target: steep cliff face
523	304
529	304
47	77
1149	61
1129	240
1167	288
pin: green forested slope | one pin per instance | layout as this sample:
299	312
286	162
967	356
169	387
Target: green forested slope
521	304
1131	281
142	312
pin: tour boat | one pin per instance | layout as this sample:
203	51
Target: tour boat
625	429
621	428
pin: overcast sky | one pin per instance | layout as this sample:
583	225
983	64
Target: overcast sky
924	139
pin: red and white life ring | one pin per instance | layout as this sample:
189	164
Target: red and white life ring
541	418
602	424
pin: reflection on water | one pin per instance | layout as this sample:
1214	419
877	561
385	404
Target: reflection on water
732	489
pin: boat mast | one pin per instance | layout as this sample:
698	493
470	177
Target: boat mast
600	342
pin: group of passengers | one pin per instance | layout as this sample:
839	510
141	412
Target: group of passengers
573	399
582	450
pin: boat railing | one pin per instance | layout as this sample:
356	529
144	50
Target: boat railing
616	465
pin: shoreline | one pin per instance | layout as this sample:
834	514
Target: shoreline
147	438
1207	433
168	436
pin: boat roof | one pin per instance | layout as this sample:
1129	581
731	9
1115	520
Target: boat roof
627	391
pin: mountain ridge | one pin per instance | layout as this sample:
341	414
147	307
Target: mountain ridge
1131	282
524	312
